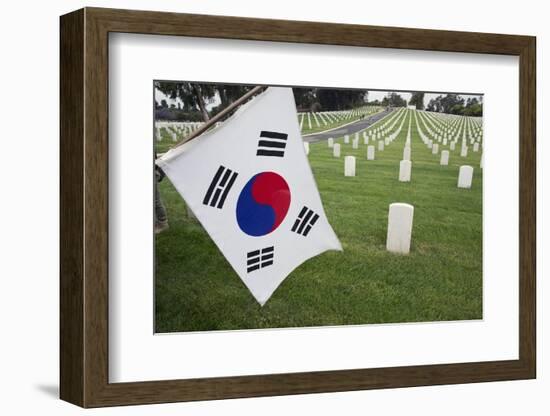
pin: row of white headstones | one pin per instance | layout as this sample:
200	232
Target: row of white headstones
445	131
405	166
176	130
327	118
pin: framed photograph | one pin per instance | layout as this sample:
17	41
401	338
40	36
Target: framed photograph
256	207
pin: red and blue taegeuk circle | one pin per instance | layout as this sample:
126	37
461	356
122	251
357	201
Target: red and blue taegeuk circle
263	204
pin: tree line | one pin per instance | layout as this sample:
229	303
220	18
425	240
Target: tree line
455	104
189	101
192	99
329	99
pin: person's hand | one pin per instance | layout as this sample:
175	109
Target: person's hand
159	174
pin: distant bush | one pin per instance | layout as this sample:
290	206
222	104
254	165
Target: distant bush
316	107
174	114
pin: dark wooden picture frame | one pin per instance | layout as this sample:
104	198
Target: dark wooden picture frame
84	207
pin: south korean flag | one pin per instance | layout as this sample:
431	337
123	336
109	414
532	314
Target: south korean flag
250	185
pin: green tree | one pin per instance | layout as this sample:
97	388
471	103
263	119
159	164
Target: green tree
473	107
394	100
229	93
455	104
417	99
328	99
452	103
304	98
193	96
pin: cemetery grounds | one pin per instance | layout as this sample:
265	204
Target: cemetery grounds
440	280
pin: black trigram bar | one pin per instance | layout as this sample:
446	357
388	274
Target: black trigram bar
258	259
219	187
271	143
306	219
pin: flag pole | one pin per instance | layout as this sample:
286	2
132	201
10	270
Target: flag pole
222	114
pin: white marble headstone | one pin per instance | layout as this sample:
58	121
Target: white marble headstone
405	167
349	166
336	150
400	221
444	161
370	152
465	176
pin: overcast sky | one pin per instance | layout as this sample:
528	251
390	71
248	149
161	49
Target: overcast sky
373	95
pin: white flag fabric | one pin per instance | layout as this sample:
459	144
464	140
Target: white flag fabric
249	184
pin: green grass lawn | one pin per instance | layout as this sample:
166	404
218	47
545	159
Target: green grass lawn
166	142
441	279
322	127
